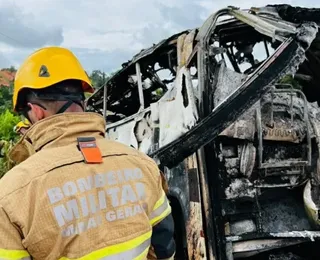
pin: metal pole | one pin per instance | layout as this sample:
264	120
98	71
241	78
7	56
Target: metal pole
138	72
105	102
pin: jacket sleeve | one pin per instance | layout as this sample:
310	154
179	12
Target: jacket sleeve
162	239
11	247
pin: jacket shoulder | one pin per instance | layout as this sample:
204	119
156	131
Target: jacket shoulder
14	179
116	148
35	166
20	175
45	160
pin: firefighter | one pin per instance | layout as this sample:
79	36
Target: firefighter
77	195
22	127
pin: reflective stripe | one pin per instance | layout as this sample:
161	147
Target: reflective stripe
161	210
135	253
160	201
6	254
10	258
136	249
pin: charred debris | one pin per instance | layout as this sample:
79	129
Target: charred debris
236	46
246	87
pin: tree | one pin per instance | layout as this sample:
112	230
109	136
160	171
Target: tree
12	69
7	138
8	120
98	78
6	98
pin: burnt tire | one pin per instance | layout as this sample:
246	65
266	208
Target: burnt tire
179	230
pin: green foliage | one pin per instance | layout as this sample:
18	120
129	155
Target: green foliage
5	163
7	118
288	79
8	121
11	69
7	138
159	92
6	98
87	95
98	78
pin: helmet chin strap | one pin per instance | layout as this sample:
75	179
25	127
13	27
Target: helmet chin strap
68	104
25	114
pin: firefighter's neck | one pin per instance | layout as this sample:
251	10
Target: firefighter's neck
38	113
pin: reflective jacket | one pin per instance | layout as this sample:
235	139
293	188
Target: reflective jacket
53	205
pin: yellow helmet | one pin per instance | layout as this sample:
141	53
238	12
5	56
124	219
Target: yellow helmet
46	67
22	124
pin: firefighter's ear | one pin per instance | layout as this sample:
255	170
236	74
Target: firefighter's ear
35	112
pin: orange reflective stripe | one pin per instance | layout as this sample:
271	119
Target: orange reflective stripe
89	149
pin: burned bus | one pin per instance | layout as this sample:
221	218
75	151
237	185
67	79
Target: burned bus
230	112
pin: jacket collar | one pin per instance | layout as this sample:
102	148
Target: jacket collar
59	130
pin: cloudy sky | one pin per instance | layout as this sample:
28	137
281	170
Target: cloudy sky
102	33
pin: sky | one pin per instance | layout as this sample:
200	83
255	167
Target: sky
103	33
